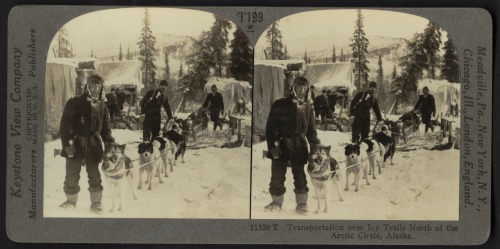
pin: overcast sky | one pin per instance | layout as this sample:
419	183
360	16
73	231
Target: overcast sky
129	20
376	22
319	30
108	28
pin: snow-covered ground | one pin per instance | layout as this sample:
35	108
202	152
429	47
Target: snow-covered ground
421	185
213	183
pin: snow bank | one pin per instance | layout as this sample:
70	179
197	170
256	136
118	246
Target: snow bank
210	184
70	61
278	63
421	185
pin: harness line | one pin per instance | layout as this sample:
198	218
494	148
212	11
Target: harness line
140	166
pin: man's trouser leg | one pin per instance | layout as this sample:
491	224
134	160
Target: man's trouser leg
301	189
71	187
426	119
155	127
277	185
356	129
95	186
146	129
365	127
214	116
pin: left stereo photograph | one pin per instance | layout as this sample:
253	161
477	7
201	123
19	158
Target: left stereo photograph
148	115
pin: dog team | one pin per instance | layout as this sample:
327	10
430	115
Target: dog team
85	127
155	157
291	128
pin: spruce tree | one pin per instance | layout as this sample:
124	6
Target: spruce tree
147	52
394	73
334	56
274	37
129	56
286	55
305	56
166	74
218	42
200	61
359	48
342	56
412	67
450	68
432	43
63	47
120	55
380	71
181	72
241	66
92	52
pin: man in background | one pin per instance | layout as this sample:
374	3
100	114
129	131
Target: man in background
215	104
112	104
151	106
360	108
427	107
332	100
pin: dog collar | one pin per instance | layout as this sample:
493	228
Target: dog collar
323	178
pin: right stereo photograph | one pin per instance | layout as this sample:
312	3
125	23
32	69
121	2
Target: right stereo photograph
356	116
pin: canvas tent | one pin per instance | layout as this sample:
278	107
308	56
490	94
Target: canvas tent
231	90
61	80
330	76
445	93
120	73
60	86
268	85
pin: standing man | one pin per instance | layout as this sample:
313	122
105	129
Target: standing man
427	107
215	104
290	122
112	104
151	106
321	106
84	122
360	112
332	100
313	96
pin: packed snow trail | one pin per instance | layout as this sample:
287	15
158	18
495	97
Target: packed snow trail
421	185
211	184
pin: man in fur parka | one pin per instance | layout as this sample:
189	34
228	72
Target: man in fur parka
290	127
84	125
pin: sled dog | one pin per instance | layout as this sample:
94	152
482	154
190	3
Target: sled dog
117	167
167	149
324	171
150	161
356	162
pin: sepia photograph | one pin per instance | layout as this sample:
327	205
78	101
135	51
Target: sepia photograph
148	115
356	117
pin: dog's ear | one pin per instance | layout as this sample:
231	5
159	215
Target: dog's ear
328	148
140	148
347	149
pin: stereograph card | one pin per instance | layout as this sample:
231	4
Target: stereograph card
249	125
